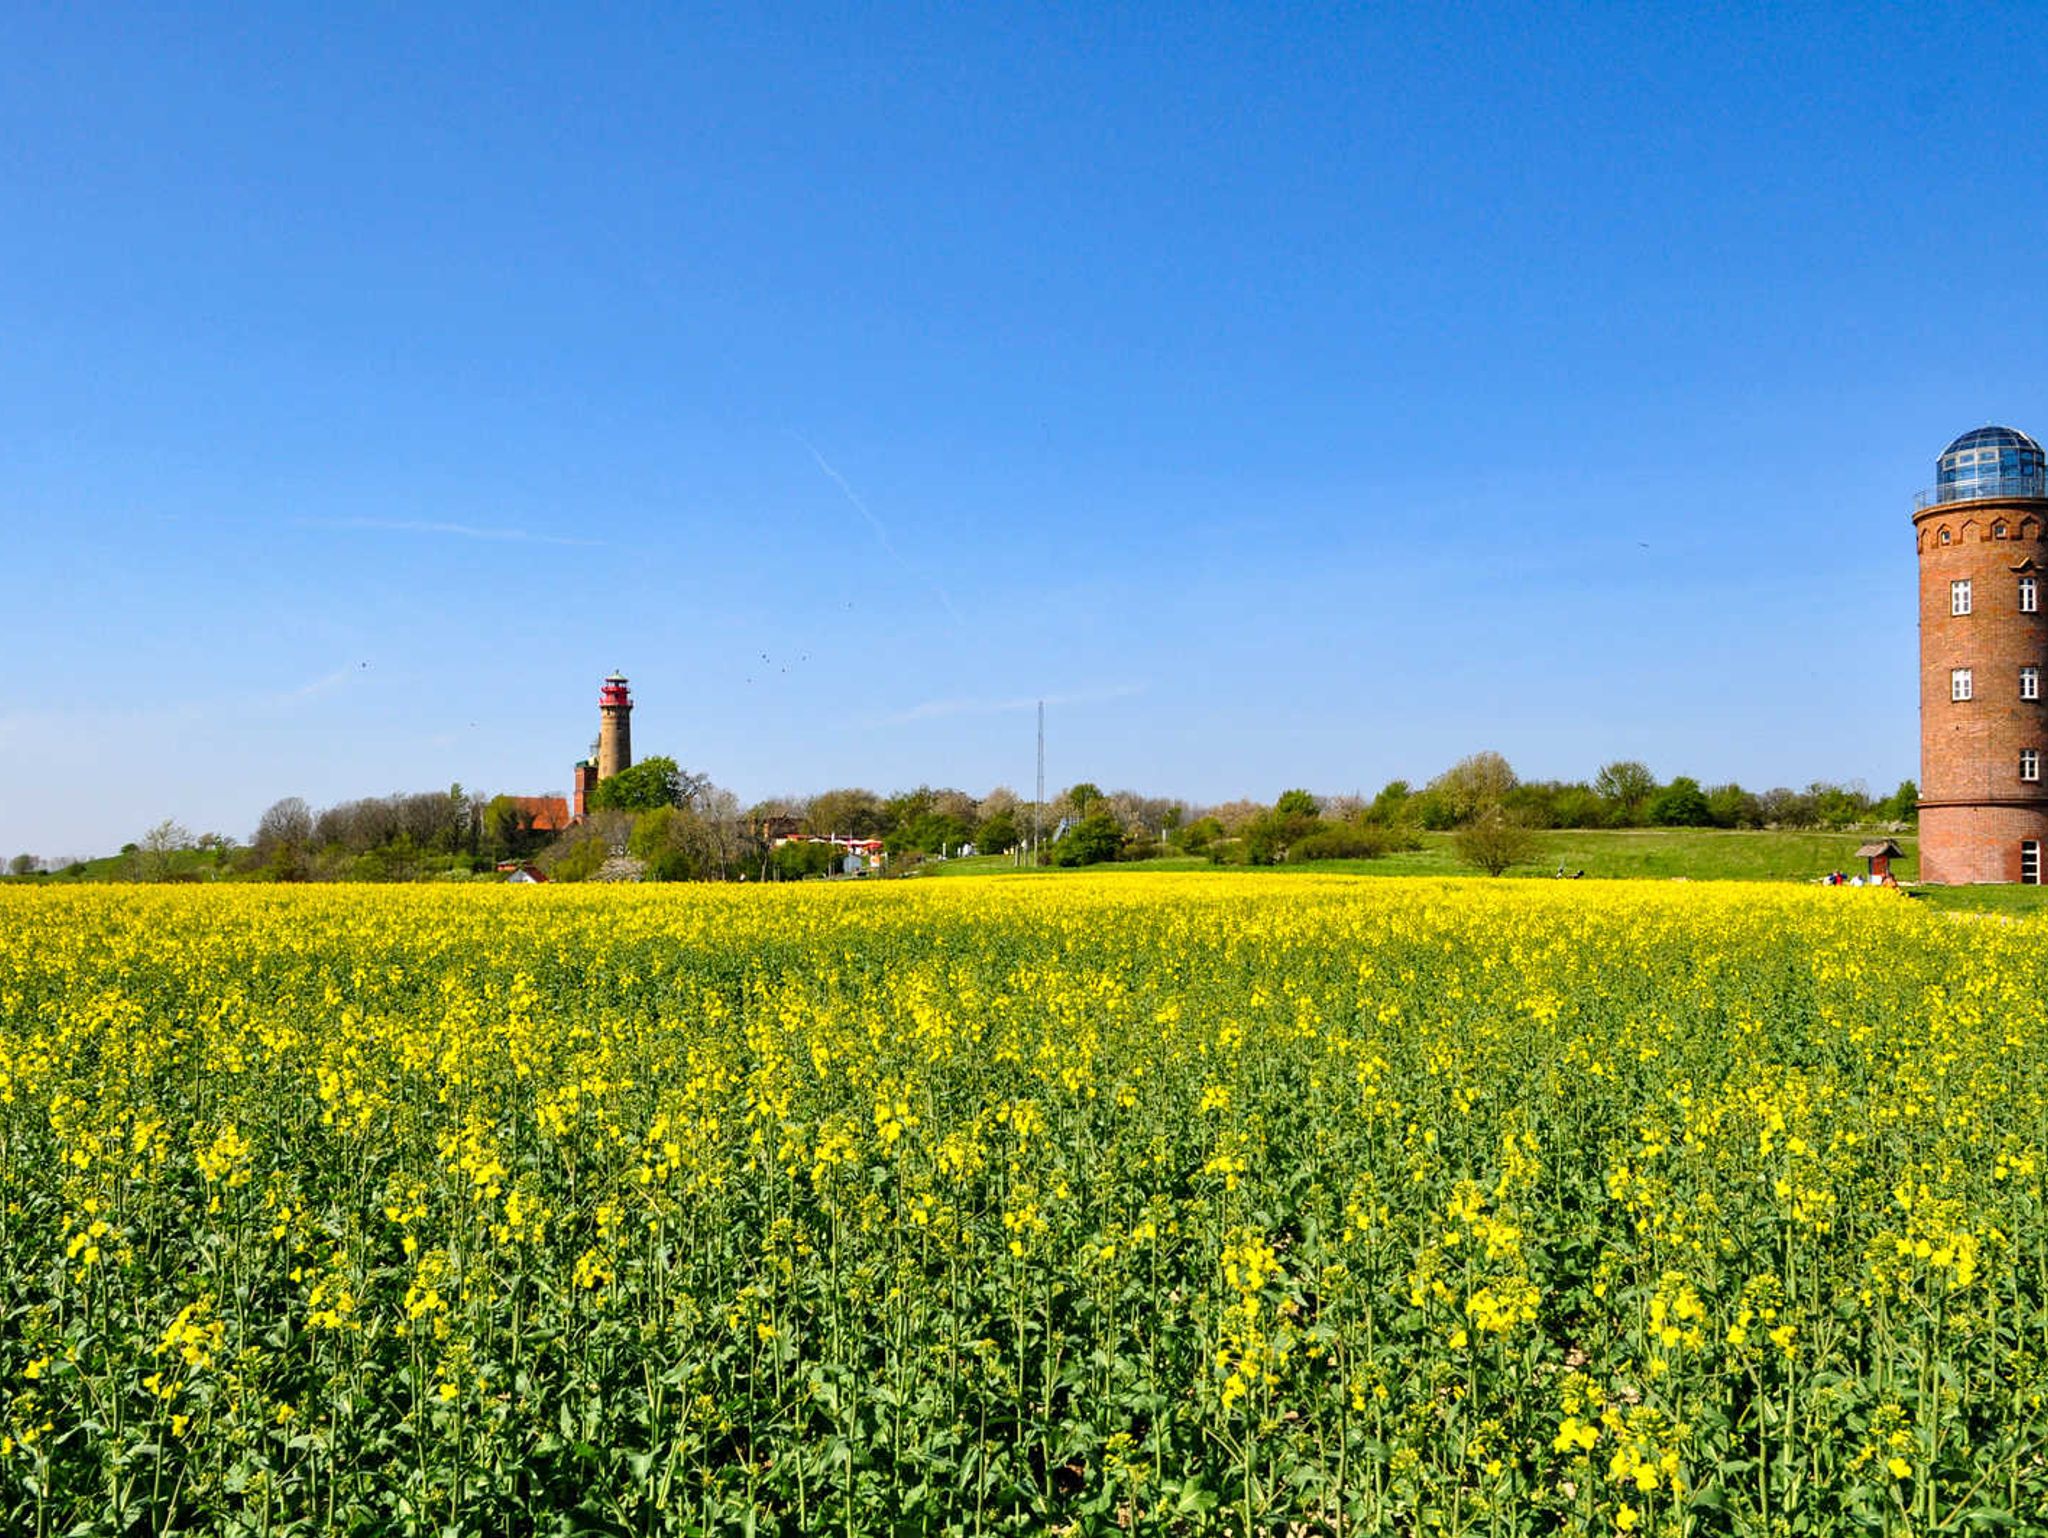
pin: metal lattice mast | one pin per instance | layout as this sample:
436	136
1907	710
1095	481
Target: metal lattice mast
1038	796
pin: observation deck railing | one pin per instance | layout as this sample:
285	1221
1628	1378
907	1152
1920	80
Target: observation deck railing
1991	488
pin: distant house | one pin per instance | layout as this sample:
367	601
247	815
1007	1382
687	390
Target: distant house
524	872
544	814
869	849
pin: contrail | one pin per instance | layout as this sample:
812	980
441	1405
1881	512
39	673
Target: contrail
460	530
881	531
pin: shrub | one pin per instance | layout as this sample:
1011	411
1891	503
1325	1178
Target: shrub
1495	841
1343	841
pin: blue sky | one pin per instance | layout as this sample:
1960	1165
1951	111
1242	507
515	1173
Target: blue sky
1288	396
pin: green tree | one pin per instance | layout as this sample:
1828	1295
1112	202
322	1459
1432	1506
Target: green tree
1082	796
1785	808
850	812
802	858
1298	803
650	784
1391	804
1090	841
1838	806
907	807
1681	804
672	843
1268	837
927	833
1733	807
508	828
1474	786
1902	805
579	861
1626	785
1577	805
1493	841
398	859
997	832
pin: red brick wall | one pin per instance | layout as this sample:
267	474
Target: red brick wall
1961	845
1975	808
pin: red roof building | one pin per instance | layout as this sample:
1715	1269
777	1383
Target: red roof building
549	814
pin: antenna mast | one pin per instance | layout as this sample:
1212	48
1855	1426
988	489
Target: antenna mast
1038	797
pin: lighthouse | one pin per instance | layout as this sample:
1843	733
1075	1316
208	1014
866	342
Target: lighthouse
1983	646
614	727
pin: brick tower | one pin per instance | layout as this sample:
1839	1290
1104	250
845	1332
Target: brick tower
614	727
1983	648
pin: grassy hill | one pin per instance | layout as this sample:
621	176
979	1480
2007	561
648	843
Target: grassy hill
1700	854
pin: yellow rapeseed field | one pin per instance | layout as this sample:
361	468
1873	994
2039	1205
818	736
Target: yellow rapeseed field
1097	1204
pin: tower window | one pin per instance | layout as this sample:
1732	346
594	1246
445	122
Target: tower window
2030	683
1944	536
1998	531
1959	596
2030	596
1959	683
2030	765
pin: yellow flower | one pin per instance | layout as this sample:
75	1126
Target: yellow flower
1575	1436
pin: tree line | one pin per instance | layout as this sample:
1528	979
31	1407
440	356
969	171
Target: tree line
659	821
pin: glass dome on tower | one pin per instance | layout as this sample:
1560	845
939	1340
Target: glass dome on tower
1990	462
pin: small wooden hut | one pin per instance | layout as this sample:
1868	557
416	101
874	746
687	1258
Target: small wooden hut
1880	853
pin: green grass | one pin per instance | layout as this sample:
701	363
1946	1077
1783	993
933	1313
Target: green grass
2013	901
1713	854
1699	854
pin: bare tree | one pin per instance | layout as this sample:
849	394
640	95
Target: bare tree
778	808
726	826
286	823
153	855
1139	813
958	805
1235	815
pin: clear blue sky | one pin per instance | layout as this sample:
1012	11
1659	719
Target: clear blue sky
1289	396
